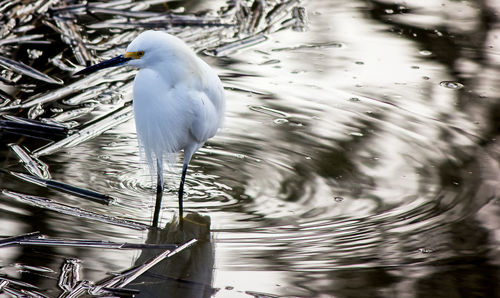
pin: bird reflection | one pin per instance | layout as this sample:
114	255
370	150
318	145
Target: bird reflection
186	274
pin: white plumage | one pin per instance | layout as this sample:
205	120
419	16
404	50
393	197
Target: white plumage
178	100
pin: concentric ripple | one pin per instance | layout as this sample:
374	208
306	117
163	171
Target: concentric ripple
202	191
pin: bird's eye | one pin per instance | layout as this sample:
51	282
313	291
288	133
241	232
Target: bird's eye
140	53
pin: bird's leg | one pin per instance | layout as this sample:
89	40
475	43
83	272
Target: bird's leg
159	193
181	190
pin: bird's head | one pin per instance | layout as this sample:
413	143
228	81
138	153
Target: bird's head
148	48
145	49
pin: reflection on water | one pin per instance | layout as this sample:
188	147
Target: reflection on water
188	274
359	159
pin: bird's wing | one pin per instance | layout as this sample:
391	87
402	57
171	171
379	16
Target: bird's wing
205	121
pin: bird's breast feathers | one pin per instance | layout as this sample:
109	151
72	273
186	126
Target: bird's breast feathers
174	108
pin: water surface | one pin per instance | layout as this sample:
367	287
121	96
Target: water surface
359	158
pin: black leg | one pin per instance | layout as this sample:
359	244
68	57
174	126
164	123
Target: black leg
159	195
181	191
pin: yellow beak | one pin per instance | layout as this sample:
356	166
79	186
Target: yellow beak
133	55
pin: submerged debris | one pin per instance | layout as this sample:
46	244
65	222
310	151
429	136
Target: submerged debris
69	280
64	187
73	211
32	164
72	286
32	128
70	274
37	239
27	70
17	288
16	239
238	44
112	119
87	244
130	275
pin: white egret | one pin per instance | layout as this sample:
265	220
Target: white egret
178	101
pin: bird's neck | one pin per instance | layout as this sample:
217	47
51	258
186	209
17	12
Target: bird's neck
179	70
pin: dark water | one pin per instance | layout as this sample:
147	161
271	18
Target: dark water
359	158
